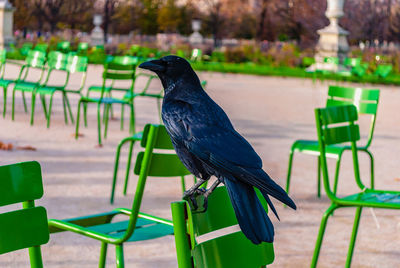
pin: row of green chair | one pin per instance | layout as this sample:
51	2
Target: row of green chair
63	46
217	252
68	64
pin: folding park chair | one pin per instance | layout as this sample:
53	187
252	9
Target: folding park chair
336	125
68	64
161	141
212	239
26	227
4	83
64	47
119	68
139	226
366	101
34	60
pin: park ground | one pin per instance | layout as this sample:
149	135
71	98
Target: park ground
271	113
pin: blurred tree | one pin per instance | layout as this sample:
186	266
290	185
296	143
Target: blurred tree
215	19
169	17
78	14
148	16
109	9
187	13
125	18
47	11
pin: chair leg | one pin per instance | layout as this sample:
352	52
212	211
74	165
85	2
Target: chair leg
321	232
85	114
13	106
69	107
116	164
107	116
128	166
132	120
335	185
183	184
35	257
119	254
159	109
5	101
319	178
371	157
289	172
24	100
103	255
99	122
49	111
33	100
77	119
65	110
353	236
122	116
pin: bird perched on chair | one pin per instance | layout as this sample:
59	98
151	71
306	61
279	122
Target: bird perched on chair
208	145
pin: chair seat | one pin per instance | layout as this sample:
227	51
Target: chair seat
5	82
312	147
145	229
382	199
49	89
99	88
103	100
26	86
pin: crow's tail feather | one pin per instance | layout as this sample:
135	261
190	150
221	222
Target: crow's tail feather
251	216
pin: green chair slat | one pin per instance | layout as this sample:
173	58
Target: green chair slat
23	228
26	86
36	59
358	94
344	114
5	82
222	252
312	147
118	76
215	218
162	165
76	63
121	61
163	140
57	60
64	46
99	88
20	182
363	108
341	134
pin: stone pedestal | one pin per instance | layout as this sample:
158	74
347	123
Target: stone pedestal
196	38
6	24
333	38
97	34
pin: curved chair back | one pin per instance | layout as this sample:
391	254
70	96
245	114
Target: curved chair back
27	227
57	60
212	238
82	48
335	125
41	47
365	100
36	59
63	46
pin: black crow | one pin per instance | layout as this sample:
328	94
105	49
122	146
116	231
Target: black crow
207	144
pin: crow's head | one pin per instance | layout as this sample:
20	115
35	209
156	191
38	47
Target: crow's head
169	68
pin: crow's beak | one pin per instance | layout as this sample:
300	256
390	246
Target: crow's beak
153	65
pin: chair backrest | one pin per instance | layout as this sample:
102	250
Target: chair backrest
27	227
119	68
36	59
63	46
151	164
229	248
57	60
41	47
82	48
366	101
76	63
352	62
383	70
336	124
25	48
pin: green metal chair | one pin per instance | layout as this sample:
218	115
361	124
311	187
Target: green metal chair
41	47
366	101
162	141
197	54
34	60
139	226
383	70
64	47
82	49
25	48
4	83
232	250
26	227
118	69
352	62
335	125
67	64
